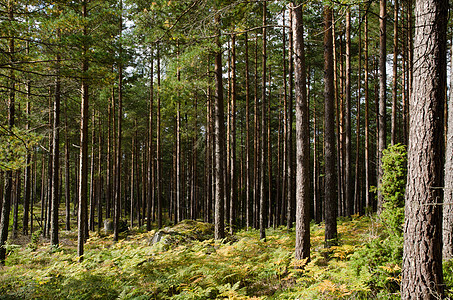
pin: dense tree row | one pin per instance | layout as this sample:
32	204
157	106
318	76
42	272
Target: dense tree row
247	114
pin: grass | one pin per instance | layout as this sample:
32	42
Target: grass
189	264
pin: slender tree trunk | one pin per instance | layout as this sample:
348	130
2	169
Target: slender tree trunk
158	142
92	176
382	126
368	204
348	197
209	164
133	173
67	189
141	205
27	173
100	182
219	154
55	199
178	183
16	198
317	215
302	140
330	194
118	154
270	199
256	143
448	173
357	192
405	84
337	121
422	252
233	163
290	172
34	190
284	189
263	134
248	199
109	169
83	160
277	203
150	169
395	72
43	188
48	192
194	187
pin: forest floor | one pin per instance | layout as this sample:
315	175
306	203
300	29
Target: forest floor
187	263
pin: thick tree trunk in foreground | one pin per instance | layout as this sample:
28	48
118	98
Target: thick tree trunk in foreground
302	141
422	259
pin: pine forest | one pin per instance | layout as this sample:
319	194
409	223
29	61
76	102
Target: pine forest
226	149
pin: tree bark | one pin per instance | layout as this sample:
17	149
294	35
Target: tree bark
284	190
382	116
248	199
357	182
368	204
219	132
422	258
118	154
99	176
395	72
448	173
27	173
349	200
330	194
263	134
92	205
67	189
302	140
233	163
55	194
83	160
290	170
158	146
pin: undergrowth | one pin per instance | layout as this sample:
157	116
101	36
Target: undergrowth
188	264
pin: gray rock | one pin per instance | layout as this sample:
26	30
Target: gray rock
157	238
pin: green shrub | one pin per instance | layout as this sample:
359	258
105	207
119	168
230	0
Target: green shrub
380	259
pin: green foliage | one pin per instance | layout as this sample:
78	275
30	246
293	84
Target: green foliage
380	259
448	278
14	146
189	264
393	188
